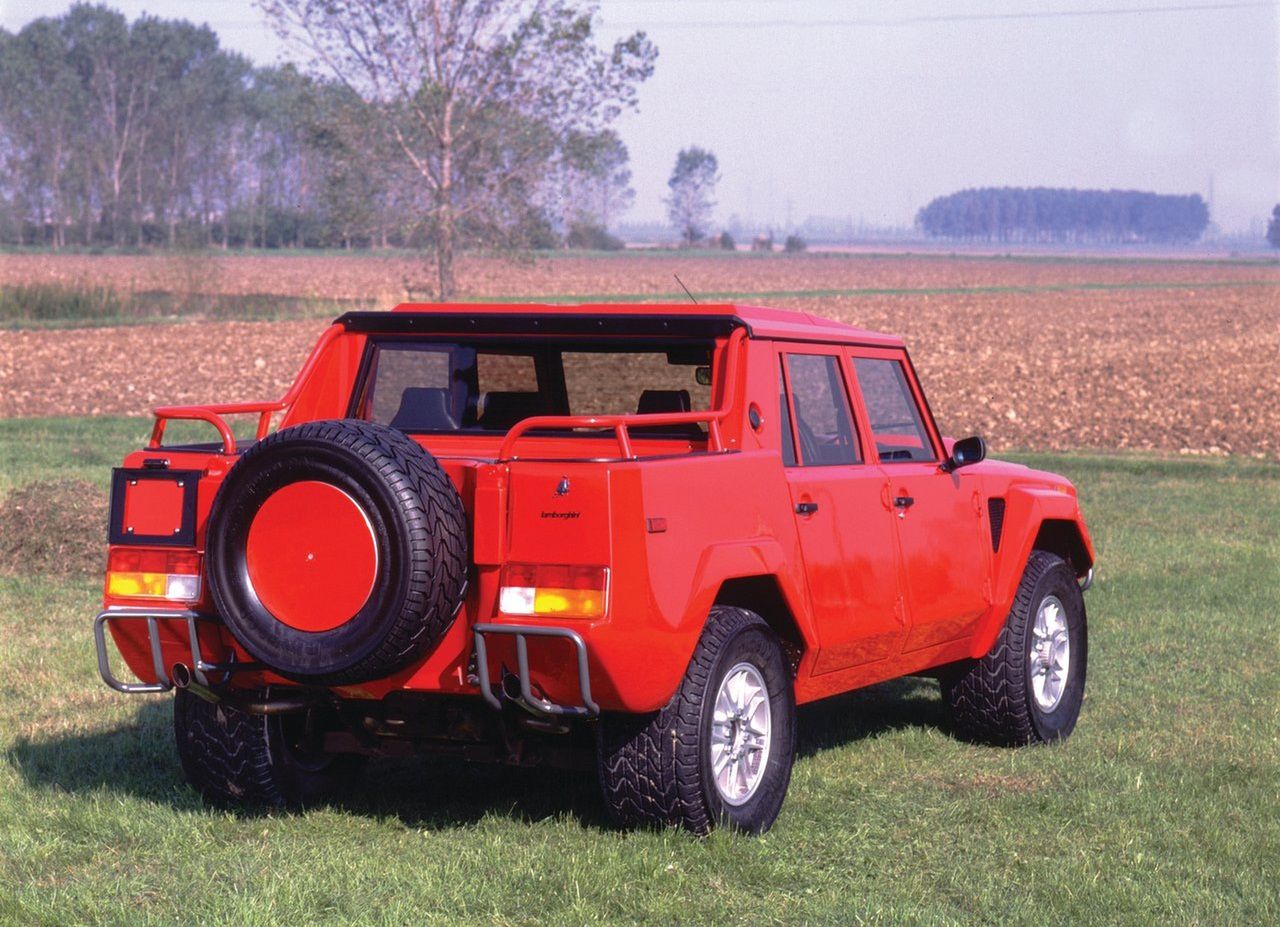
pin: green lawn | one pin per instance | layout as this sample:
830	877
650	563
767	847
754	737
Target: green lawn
1163	808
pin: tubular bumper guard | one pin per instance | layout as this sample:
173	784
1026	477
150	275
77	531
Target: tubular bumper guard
199	666
534	703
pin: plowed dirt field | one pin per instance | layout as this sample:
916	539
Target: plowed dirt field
1174	356
393	279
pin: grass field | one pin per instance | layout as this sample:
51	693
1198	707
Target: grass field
1162	808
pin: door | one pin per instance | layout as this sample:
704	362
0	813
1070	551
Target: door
944	557
846	533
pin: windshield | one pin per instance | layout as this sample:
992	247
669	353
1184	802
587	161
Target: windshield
482	386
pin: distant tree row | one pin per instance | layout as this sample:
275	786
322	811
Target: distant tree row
148	133
1045	214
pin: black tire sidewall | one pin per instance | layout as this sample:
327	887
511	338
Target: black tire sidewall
757	646
298	654
1057	724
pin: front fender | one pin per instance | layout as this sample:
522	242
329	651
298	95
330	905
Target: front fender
1028	511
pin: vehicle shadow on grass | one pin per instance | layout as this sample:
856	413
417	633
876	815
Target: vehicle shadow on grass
909	702
138	760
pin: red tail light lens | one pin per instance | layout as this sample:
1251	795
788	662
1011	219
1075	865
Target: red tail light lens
553	590
148	573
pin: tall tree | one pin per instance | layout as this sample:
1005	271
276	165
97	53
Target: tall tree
42	105
118	68
201	111
692	184
1273	228
477	95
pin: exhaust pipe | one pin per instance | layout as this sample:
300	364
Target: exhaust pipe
184	679
511	687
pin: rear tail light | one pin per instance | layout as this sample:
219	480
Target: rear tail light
139	573
556	590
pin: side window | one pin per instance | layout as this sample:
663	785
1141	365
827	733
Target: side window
895	418
824	424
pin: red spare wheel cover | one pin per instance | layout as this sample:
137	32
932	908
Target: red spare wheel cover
312	556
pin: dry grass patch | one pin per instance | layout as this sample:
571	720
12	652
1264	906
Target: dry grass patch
54	528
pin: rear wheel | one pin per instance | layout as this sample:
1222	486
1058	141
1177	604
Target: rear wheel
232	757
1030	687
721	751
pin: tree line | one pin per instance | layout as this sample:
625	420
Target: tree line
492	131
1044	214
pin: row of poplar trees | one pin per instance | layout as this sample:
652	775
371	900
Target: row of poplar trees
1048	214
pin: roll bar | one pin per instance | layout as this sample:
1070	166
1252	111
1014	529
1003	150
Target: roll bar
620	424
213	414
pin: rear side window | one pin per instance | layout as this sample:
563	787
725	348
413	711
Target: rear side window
896	422
824	424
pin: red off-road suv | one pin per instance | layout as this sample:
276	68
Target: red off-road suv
631	536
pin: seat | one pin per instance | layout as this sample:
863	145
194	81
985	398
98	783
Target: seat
659	401
500	410
424	408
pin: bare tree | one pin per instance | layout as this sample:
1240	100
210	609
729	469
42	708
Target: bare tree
476	94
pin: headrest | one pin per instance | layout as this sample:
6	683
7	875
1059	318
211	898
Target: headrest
501	410
653	401
424	408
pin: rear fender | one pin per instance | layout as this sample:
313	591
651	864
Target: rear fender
721	575
1035	518
719	564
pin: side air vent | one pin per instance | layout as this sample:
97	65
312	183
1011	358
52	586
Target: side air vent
995	511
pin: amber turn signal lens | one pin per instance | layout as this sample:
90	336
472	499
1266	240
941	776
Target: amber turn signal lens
553	590
142	573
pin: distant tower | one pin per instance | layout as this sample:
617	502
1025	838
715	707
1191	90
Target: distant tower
1212	231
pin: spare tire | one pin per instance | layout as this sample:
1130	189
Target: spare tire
336	551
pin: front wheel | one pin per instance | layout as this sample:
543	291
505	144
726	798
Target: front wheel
721	751
1030	687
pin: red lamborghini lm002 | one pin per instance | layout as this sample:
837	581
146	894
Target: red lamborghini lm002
633	537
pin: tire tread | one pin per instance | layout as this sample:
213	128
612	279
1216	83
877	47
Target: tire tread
989	699
649	765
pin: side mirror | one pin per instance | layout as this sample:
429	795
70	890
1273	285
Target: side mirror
966	451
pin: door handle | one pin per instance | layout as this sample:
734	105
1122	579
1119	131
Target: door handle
903	502
806	508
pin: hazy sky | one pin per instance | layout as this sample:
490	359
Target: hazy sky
869	109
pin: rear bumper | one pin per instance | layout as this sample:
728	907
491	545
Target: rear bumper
201	669
526	698
208	674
